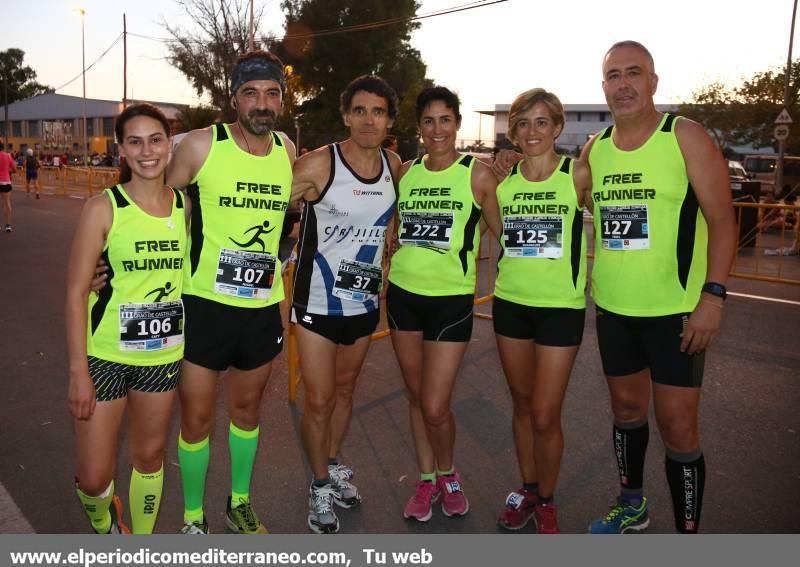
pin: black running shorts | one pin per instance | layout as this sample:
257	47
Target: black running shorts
546	326
218	336
112	380
339	329
5	188
630	344
440	318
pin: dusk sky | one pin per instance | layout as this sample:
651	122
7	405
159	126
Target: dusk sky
488	54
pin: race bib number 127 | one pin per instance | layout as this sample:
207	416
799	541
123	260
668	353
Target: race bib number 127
625	227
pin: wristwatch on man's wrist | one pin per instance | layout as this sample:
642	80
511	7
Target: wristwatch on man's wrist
715	289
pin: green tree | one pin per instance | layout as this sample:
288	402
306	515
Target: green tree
207	52
325	56
195	117
18	80
745	113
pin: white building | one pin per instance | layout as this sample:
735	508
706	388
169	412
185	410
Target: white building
582	121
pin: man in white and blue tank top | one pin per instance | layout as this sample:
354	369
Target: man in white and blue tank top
348	190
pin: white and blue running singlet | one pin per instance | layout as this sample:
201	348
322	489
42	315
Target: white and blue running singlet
341	241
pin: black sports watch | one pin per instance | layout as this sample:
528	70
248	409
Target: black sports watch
716	289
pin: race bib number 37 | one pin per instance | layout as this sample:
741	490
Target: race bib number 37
625	227
426	229
245	274
533	236
150	326
357	281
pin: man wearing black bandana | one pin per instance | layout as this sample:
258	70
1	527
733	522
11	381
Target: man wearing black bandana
238	177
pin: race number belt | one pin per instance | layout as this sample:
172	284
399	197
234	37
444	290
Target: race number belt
426	229
533	236
245	274
625	227
150	326
357	281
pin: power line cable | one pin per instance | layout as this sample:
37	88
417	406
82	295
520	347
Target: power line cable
78	76
351	28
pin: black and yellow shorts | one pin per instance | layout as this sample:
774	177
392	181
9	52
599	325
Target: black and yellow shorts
112	380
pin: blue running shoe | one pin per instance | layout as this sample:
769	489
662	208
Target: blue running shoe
622	517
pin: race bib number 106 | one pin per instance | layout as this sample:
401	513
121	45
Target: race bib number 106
150	326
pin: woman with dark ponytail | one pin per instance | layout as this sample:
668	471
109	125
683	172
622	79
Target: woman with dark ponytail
126	343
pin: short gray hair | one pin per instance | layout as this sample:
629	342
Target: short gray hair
635	45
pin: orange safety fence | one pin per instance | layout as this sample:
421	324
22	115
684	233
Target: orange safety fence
71	180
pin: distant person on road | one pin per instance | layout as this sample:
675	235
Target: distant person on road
665	240
348	194
7	169
539	327
32	166
125	344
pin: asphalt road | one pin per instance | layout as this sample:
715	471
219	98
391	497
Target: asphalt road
750	419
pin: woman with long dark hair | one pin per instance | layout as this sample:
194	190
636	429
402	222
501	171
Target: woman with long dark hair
125	343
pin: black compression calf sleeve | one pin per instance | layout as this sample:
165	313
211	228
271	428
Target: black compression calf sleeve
630	447
686	475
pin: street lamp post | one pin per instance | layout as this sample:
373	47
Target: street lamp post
82	12
778	190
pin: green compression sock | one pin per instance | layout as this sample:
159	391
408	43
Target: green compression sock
193	459
145	499
243	445
96	507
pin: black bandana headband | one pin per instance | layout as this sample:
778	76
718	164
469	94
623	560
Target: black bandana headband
257	70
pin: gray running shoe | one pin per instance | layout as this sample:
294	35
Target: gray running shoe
195	528
346	494
321	517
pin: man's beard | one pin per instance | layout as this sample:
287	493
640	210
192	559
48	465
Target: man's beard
258	128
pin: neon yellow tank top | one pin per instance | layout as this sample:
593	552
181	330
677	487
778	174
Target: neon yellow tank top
238	204
650	235
544	246
137	318
438	230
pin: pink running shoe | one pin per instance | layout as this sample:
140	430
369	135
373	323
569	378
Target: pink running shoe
546	521
454	503
518	510
419	507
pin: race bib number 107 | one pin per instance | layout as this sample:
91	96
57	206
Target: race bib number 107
245	274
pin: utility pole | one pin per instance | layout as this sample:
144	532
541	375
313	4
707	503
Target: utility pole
82	12
787	74
124	63
252	42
